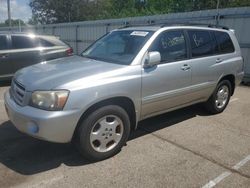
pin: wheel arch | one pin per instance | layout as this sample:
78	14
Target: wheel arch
231	79
124	102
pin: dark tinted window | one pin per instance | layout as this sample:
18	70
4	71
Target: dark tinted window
45	43
215	46
202	44
19	42
171	45
3	42
224	42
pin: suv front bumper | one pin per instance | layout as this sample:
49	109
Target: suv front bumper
53	126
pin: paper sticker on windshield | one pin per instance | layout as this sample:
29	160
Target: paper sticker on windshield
139	33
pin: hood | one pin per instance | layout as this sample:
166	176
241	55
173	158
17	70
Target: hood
53	74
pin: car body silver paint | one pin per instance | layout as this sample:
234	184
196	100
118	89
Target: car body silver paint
153	91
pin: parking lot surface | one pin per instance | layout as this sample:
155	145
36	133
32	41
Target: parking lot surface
184	148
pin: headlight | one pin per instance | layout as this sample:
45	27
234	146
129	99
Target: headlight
49	100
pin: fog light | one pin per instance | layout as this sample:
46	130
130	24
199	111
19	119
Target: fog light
33	128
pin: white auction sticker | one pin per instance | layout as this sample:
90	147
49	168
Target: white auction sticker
139	33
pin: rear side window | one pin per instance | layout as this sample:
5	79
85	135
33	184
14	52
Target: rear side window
224	42
19	42
202	44
45	43
52	41
171	45
3	42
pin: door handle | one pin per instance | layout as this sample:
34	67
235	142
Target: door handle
219	60
185	67
4	55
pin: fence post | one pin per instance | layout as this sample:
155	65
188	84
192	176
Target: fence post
76	38
107	27
53	30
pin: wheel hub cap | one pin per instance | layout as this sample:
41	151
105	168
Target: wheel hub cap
222	97
106	133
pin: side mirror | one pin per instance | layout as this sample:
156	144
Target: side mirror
153	58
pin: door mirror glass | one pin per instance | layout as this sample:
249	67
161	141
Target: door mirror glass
153	58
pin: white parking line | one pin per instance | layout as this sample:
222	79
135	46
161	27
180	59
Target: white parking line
241	163
233	100
225	174
213	182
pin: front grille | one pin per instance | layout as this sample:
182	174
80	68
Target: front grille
17	92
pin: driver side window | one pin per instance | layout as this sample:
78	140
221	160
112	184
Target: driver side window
171	45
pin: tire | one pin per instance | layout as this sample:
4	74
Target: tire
103	133
219	99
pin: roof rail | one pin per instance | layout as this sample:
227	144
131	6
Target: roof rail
149	23
15	32
195	24
165	24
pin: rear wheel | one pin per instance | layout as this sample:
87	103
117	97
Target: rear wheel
103	133
220	98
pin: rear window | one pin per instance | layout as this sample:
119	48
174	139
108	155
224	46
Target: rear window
202	44
51	41
224	42
19	42
3	42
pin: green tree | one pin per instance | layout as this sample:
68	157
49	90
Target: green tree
14	22
57	11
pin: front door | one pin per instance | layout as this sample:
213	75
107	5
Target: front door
6	68
167	85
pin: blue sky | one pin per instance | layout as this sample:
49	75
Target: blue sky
19	10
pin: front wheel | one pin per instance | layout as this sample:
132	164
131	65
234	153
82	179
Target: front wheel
220	98
103	133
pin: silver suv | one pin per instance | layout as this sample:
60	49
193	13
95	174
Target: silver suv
128	75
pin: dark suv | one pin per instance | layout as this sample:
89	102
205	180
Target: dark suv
18	50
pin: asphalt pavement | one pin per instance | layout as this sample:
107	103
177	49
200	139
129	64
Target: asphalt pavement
184	148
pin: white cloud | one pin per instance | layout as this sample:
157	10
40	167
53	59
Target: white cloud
19	10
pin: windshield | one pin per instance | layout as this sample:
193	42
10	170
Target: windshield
119	47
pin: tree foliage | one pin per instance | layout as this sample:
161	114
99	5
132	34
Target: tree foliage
58	11
14	22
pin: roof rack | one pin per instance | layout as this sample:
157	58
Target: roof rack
165	24
195	24
149	23
14	32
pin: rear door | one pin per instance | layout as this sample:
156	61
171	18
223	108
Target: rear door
24	51
205	73
6	68
166	85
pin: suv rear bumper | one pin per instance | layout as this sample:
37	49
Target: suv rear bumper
53	126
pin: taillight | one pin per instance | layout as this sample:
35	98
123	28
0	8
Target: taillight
69	51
